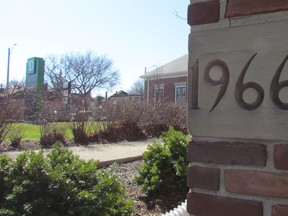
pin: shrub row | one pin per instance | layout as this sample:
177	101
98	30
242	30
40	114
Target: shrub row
112	121
130	121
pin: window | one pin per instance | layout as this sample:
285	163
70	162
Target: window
30	63
159	93
30	67
180	93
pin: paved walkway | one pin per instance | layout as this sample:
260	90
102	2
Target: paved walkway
106	153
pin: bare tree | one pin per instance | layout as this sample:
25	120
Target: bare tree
86	72
137	87
17	84
55	73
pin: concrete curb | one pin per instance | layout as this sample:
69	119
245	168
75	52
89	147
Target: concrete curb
121	160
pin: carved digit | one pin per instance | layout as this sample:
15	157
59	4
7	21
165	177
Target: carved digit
241	87
223	81
276	86
195	72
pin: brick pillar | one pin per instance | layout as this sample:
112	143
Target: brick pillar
239	150
237	178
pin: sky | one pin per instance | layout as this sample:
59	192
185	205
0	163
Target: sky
133	33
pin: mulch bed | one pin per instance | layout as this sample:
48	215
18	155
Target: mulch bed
144	204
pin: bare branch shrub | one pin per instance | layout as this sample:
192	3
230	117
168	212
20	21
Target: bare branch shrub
50	131
129	120
15	136
11	110
158	117
119	119
79	120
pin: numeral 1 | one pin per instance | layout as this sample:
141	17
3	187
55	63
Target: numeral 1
195	77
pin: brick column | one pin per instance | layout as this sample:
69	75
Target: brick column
237	178
236	168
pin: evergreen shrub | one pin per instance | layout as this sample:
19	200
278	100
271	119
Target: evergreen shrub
165	163
59	184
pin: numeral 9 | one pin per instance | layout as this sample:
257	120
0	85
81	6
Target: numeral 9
223	81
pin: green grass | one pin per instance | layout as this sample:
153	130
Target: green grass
32	131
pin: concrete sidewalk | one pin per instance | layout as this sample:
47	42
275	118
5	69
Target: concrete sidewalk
114	152
106	153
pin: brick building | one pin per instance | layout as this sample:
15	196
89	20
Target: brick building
167	83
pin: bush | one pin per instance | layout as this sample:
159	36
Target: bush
15	136
11	108
162	115
116	133
80	135
5	162
59	184
155	130
50	134
130	120
165	163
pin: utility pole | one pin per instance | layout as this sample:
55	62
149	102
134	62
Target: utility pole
8	66
148	87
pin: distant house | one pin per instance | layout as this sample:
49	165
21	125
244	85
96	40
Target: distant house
124	96
167	83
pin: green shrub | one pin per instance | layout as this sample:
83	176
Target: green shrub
59	184
5	162
165	163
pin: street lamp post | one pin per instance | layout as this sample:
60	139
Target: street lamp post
148	91
8	65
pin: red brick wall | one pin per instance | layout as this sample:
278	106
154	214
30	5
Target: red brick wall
249	7
237	178
209	11
169	87
204	12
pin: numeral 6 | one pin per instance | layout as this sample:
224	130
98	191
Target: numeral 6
241	87
276	86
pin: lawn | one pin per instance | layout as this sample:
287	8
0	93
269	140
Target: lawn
32	131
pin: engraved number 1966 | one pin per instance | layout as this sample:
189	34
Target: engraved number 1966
240	87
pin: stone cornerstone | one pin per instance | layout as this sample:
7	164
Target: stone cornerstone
238	108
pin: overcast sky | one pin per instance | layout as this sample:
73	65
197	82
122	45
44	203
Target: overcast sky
133	33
